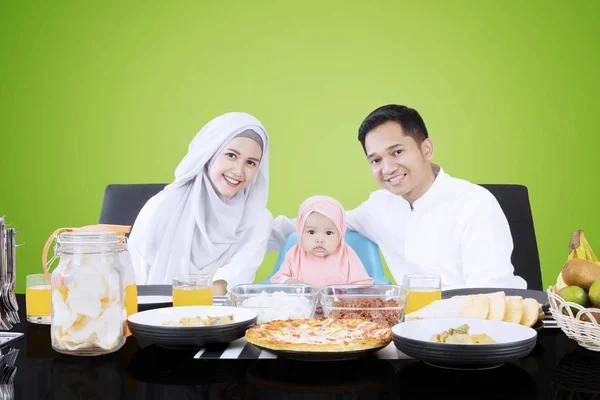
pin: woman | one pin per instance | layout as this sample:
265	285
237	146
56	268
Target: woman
213	218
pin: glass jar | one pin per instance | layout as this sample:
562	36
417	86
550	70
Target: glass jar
131	293
88	294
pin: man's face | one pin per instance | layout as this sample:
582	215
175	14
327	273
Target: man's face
398	163
235	167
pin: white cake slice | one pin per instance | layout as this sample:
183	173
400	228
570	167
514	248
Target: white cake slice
448	308
497	306
454	306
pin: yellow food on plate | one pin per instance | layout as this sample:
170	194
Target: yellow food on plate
461	335
530	312
478	307
201	321
497	306
483	338
491	306
514	309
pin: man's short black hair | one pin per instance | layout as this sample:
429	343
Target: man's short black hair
409	119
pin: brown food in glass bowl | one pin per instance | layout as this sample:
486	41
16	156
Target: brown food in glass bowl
384	317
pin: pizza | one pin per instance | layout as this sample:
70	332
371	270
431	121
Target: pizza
320	335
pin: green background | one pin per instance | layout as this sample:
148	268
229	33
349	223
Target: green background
114	92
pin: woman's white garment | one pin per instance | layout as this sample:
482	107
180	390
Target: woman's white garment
456	230
190	228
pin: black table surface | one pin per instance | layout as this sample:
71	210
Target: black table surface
556	369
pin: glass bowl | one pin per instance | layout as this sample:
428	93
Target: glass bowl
383	304
273	301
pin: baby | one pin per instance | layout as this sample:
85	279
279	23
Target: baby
321	257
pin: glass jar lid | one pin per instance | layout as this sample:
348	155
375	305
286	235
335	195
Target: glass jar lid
88	243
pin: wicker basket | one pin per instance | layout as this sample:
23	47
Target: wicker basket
568	317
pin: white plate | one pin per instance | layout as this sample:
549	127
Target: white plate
501	332
154	299
158	316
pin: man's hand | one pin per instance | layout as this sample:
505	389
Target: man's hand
292	280
219	288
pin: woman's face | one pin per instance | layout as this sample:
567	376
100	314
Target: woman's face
235	166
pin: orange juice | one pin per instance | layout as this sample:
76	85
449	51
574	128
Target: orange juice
37	301
419	298
131	304
192	296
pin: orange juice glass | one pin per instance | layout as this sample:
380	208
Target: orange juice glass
131	303
422	290
192	290
37	299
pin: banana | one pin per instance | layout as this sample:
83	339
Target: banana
578	248
560	284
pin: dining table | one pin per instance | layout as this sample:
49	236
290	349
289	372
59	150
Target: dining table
557	368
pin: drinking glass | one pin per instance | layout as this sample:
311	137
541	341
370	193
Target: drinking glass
422	290
37	299
192	290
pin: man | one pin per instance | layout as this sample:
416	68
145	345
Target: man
425	221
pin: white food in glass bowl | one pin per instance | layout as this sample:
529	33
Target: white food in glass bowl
279	306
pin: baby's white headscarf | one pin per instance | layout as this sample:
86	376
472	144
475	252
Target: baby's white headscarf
191	228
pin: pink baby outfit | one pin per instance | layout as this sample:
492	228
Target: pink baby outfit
342	267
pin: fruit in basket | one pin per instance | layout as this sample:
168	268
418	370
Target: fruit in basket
575	294
579	249
594	294
595	315
560	284
582	273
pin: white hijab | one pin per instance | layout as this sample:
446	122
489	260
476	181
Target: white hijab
189	227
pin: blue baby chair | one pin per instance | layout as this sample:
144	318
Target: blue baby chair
365	249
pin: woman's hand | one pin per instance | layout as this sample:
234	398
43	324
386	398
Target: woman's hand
219	288
292	280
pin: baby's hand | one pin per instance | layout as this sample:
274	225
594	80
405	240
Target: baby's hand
292	280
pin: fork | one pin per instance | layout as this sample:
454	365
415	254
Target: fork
11	266
4	317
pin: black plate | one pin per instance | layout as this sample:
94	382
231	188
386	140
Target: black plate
538	326
456	356
187	338
321	355
541	297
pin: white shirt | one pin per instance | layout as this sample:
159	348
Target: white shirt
456	230
190	228
237	267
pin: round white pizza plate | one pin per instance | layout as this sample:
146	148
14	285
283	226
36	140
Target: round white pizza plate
514	342
147	326
321	355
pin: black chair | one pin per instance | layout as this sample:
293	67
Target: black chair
514	201
122	203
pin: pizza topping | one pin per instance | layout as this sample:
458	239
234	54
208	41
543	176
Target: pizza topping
316	332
